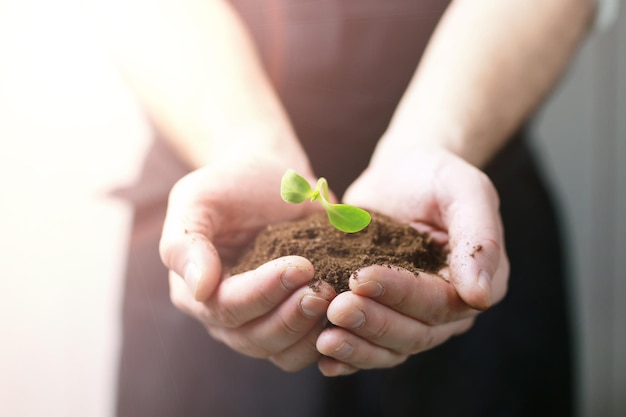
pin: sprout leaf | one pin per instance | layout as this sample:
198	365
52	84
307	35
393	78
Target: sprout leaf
294	188
348	218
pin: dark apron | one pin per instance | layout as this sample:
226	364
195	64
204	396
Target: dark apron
340	67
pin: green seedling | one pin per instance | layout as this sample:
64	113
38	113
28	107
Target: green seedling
295	189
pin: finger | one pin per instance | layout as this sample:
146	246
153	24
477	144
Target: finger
185	246
247	296
385	327
292	320
471	213
282	328
332	367
360	352
252	294
302	353
422	296
354	351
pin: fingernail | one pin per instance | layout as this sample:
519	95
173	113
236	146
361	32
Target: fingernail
370	289
192	276
353	320
313	307
484	280
289	279
344	351
286	278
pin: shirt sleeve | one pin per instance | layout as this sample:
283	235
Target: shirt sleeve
606	14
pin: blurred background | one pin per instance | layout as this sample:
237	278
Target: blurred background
70	132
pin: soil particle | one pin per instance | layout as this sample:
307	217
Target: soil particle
475	250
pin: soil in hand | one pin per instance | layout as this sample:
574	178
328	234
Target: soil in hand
337	255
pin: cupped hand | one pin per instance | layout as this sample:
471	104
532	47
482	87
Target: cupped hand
213	213
390	314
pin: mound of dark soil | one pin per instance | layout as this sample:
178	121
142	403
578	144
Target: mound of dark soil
337	255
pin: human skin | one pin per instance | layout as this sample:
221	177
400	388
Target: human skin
216	107
489	65
487	68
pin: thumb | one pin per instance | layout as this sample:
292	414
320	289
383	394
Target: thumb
478	261
185	246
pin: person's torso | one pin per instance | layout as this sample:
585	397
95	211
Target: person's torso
340	68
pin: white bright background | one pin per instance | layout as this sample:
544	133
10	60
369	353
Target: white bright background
69	132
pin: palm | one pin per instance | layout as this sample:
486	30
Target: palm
454	201
234	202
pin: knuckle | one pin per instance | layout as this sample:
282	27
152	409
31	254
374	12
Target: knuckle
266	301
456	310
222	316
422	342
400	301
293	325
437	316
298	356
288	326
382	331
